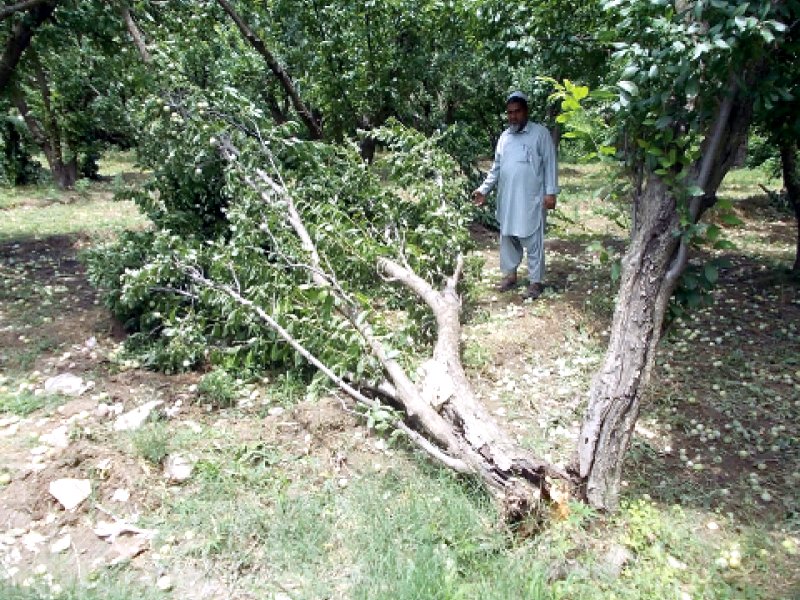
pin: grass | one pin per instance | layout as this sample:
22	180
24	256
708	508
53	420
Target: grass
103	586
152	441
42	210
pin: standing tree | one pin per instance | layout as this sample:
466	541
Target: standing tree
689	79
70	89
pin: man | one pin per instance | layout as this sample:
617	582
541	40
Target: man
526	175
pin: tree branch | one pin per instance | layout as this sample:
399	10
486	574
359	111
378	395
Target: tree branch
277	69
7	11
20	38
136	34
421	442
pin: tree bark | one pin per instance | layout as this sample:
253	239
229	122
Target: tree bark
277	69
656	258
47	135
791	181
20	39
136	34
7	11
616	390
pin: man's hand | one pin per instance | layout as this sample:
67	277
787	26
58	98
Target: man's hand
478	199
550	201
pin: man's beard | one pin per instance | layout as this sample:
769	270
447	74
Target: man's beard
521	126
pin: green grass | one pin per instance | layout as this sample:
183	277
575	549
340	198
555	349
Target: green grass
109	585
24	402
86	217
152	441
43	210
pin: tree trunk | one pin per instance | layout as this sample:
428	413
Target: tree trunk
652	266
442	415
314	128
616	391
20	39
791	181
47	133
65	174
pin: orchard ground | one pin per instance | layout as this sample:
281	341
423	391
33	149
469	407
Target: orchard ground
290	497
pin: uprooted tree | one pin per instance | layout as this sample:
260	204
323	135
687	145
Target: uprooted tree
269	249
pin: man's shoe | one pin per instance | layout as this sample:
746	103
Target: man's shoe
509	282
534	291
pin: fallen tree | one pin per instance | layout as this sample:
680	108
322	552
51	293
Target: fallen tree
441	414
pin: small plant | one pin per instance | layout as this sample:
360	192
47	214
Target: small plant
152	442
82	188
24	402
218	388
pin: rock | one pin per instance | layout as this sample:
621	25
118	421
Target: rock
128	547
615	560
121	495
178	468
6	421
133	419
70	492
62	544
66	384
32	540
5	478
58	438
276	411
164	583
114	529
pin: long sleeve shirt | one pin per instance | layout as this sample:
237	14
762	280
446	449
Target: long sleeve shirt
524	171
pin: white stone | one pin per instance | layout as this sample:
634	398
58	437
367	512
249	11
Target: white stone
178	468
121	495
58	438
164	583
66	384
62	544
133	419
32	540
70	492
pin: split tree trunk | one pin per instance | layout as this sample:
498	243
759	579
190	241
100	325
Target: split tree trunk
791	181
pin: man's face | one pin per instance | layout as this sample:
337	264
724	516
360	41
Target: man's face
517	114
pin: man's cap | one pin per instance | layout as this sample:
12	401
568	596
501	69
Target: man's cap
517	97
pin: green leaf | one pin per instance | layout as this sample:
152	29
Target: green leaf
629	87
711	273
730	219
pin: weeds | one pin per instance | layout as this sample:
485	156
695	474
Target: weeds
218	388
152	442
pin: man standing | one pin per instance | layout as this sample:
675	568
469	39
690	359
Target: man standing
526	175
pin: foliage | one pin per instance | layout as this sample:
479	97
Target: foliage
218	388
17	165
152	441
77	87
206	213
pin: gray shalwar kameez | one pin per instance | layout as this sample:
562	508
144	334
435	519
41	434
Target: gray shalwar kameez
524	171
